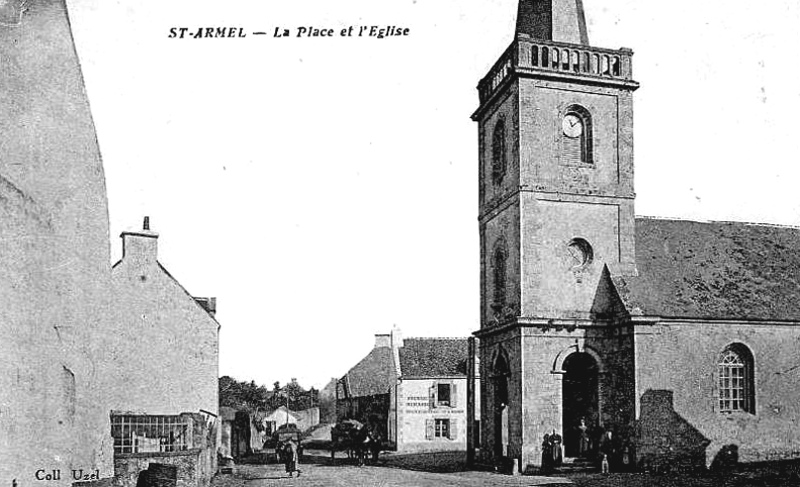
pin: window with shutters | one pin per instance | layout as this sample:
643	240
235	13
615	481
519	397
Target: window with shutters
443	395
442	428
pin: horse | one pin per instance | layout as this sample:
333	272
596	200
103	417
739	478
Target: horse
351	436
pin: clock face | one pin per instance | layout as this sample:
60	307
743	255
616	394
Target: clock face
572	125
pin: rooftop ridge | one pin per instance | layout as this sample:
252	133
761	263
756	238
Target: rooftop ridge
436	338
723	222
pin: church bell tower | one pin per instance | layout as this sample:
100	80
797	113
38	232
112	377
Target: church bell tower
556	167
556	223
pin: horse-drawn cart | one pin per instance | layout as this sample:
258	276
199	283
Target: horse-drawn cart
357	440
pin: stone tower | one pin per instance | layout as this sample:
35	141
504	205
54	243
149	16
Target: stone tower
556	215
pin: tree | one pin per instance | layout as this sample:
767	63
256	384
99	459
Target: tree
245	396
249	396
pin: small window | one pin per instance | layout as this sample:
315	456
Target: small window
499	279
736	384
442	428
443	395
499	152
581	252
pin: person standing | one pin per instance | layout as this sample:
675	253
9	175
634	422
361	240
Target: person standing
558	456
583	442
291	457
547	454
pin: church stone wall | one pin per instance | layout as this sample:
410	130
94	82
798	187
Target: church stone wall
544	352
491	346
502	228
506	109
542	106
677	392
552	284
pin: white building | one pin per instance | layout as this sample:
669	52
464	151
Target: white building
414	388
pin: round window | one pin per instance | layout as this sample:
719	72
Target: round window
581	252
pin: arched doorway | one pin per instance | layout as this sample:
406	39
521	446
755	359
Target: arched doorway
500	375
580	398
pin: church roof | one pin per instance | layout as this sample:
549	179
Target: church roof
715	270
433	357
374	375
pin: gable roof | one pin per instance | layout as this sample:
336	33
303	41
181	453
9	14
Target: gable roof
715	270
433	357
194	300
373	375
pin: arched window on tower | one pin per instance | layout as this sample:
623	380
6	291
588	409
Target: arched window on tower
736	380
499	151
499	267
577	144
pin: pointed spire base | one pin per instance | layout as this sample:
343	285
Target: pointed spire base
553	20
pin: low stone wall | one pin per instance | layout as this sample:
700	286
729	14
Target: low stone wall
196	465
127	467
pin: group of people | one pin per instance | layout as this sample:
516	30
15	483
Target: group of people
552	456
613	451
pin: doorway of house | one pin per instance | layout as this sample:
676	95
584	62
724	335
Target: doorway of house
580	402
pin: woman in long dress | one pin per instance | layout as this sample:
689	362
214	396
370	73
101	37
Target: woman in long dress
583	445
291	458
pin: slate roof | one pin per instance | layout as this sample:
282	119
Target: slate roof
372	376
433	357
716	270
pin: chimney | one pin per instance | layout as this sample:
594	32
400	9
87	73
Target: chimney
208	304
396	342
396	337
383	340
140	246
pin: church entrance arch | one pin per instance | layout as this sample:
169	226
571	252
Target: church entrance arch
580	395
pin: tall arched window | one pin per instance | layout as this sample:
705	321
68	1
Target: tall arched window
499	151
736	380
577	145
499	265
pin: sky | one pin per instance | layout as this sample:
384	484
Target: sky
325	189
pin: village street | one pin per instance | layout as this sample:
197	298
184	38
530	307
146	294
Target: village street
317	470
353	476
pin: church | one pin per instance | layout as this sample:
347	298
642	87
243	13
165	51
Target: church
678	339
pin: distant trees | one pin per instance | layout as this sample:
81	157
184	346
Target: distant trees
243	396
248	396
